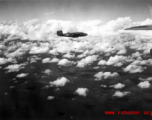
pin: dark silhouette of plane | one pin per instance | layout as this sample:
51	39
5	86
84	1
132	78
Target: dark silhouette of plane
143	27
75	34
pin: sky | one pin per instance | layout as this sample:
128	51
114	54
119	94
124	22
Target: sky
74	10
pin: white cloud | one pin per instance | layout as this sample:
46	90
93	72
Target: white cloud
102	62
38	50
15	67
116	60
50	97
54	52
22	75
118	86
119	24
65	62
107	42
105	75
103	86
120	94
47	71
54	60
146	79
86	61
144	84
146	22
134	69
46	60
3	61
60	82
82	91
34	59
69	56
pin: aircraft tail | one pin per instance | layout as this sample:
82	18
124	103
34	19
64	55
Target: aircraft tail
60	33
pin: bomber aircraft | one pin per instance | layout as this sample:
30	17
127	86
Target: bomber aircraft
74	34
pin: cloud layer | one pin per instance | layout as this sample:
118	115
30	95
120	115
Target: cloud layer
109	51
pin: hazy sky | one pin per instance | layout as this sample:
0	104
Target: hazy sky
76	10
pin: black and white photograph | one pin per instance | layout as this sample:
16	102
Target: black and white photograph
75	59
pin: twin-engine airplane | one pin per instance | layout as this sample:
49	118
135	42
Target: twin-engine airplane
75	34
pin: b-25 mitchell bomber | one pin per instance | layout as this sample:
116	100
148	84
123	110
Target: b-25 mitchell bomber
74	34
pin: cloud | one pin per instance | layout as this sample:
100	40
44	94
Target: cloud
34	59
54	52
69	56
146	79
119	24
46	60
118	86
82	91
50	97
116	60
102	62
105	75
65	62
15	67
144	84
103	86
106	44
3	61
86	61
120	94
60	82
134	69
38	50
54	60
47	71
22	75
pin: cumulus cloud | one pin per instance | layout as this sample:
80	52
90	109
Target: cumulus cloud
107	42
34	59
118	86
3	61
116	60
54	52
65	62
22	75
86	61
144	84
38	50
102	62
46	60
134	69
47	71
69	56
50	97
54	60
146	79
120	94
60	82
105	75
15	67
104	86
82	91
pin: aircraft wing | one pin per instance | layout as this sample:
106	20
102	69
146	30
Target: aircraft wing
144	27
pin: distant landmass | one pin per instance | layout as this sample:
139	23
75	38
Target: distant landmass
74	34
143	27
